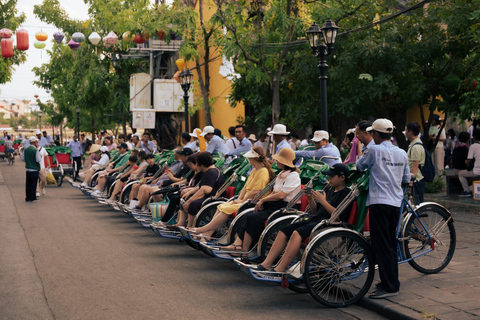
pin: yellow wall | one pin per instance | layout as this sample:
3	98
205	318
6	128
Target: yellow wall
223	115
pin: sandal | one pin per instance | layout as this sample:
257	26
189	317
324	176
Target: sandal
236	247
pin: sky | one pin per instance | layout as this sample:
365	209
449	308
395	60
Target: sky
21	86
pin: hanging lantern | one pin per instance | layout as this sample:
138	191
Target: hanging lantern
94	38
36	96
39	45
145	35
73	45
78	37
41	36
139	39
173	36
127	36
180	64
160	34
58	36
22	40
7	48
111	38
5	33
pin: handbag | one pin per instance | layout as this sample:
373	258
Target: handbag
158	209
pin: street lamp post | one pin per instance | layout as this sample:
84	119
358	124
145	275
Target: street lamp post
77	110
40	113
53	129
322	49
185	81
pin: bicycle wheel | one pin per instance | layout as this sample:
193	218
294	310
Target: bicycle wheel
267	240
430	254
339	268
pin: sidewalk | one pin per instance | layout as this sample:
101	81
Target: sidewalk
454	293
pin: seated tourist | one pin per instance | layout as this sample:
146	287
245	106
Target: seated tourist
290	237
287	186
149	174
135	172
259	177
102	163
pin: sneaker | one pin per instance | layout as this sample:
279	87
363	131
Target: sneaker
38	195
382	294
465	194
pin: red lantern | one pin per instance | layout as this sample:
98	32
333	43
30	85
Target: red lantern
22	40
138	39
36	96
7	48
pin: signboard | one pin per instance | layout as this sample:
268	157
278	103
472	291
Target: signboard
143	119
168	96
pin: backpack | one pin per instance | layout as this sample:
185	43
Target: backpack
428	169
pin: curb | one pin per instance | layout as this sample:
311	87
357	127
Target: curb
389	309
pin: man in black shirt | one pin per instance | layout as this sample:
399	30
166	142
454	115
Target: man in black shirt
294	234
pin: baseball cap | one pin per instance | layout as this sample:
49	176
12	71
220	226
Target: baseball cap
338	169
104	149
207	130
33	139
320	135
185	152
382	125
38	132
123	145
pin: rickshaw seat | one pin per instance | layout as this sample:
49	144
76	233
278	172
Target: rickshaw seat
352	219
2	148
230	192
53	164
63	158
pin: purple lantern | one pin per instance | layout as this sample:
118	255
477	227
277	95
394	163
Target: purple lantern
58	36
73	45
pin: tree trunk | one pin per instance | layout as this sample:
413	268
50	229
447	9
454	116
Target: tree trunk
205	84
276	98
124	124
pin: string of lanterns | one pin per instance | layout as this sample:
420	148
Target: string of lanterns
77	38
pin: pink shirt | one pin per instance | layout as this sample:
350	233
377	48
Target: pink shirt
352	157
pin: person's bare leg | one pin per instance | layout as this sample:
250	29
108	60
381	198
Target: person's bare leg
290	252
218	220
247	242
88	176
101	181
275	251
143	197
181	218
116	190
236	244
134	192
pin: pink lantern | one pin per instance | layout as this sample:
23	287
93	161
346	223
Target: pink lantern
5	33
7	48
22	40
111	38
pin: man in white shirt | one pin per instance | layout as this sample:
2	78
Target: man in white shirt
262	142
232	143
279	135
473	155
215	143
323	149
42	174
189	141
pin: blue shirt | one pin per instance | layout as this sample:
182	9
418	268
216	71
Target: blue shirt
281	145
150	144
216	145
365	148
76	148
49	140
244	146
43	142
329	150
192	146
388	166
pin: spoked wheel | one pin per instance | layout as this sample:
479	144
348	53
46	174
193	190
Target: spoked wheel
125	195
339	269
269	238
59	179
431	251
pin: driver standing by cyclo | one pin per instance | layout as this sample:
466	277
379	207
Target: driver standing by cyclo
388	166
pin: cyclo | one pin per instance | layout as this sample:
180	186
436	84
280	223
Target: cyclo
336	267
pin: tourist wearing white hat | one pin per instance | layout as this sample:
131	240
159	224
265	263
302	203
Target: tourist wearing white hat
279	135
215	143
42	141
32	165
190	140
97	165
323	148
389	168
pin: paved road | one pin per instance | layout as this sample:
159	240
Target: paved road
67	257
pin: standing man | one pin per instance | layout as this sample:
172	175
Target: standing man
473	155
32	166
49	139
77	152
323	148
215	143
364	136
438	155
42	141
244	144
416	158
279	135
146	144
388	166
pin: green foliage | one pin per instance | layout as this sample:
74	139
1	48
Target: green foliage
10	19
435	186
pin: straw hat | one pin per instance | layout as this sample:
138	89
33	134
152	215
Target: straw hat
279	129
94	148
252	137
286	156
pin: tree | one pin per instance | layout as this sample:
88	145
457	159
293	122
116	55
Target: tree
10	19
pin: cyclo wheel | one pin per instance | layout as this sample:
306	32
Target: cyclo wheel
339	268
59	179
431	254
269	238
